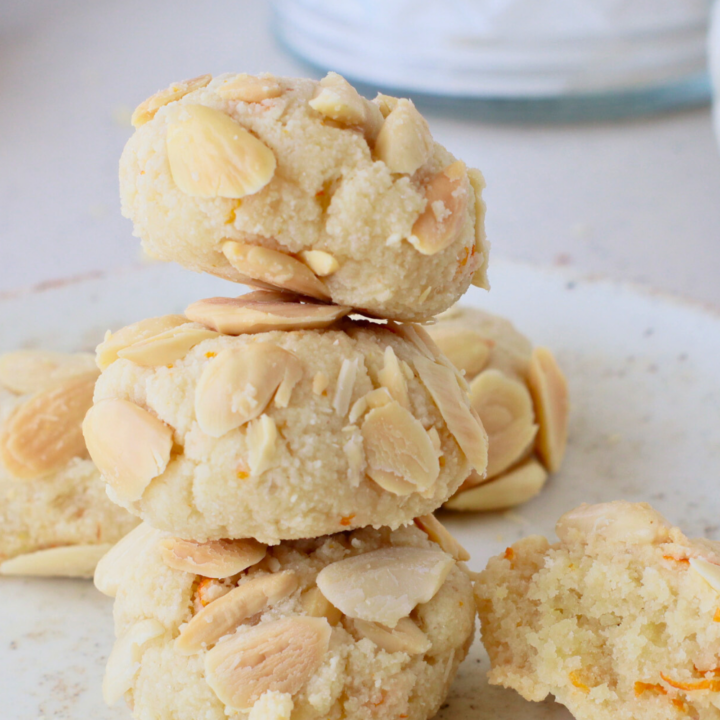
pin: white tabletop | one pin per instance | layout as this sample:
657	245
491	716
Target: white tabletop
637	200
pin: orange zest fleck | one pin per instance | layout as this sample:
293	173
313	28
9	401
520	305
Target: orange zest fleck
242	475
577	682
169	367
465	258
210	354
682	561
345	521
642	687
681	705
509	554
201	588
716	616
707	684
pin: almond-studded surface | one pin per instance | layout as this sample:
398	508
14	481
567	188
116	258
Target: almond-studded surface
268	639
521	397
51	496
305	185
281	434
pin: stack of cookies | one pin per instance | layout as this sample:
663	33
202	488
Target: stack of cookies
286	448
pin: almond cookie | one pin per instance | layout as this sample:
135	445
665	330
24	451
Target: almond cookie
55	516
521	396
226	427
620	619
305	186
362	625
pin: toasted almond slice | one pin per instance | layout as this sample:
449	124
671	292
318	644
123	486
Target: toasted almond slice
392	377
482	246
386	103
250	88
439	534
455	409
280	655
513	488
405	637
129	446
339	101
107	351
355	455
167	347
710	572
466	349
212	559
613	522
146	110
440	223
223	615
320	383
345	386
113	566
44	433
391	482
238	384
397	443
274	268
68	561
317	605
211	155
262	438
550	393
404	142
31	371
506	412
124	661
384	585
320	262
241	316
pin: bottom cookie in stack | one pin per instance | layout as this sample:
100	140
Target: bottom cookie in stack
362	624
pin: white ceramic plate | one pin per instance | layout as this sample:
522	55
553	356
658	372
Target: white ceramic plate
643	373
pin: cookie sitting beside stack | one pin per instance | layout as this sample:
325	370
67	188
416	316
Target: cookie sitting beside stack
286	457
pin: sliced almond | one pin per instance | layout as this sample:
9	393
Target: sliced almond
404	142
212	559
320	262
710	572
244	316
238	384
250	88
320	383
384	585
107	351
31	371
262	438
167	347
439	534
274	268
129	445
223	615
44	433
466	349
124	661
211	155
355	455
405	637
280	656
506	412
392	377
113	566
315	604
146	110
345	386
482	246
397	443
386	103
339	101
513	488
454	406
68	561
613	522
440	223
550	393
391	482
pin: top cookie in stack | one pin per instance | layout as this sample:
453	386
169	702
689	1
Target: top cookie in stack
308	187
